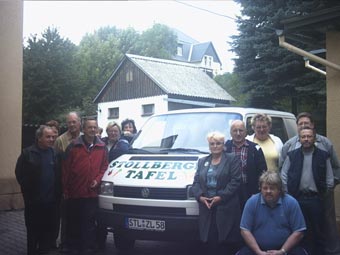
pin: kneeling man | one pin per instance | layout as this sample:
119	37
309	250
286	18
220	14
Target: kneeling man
272	221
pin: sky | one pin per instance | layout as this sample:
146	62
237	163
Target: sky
74	19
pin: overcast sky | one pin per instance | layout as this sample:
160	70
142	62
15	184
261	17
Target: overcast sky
74	19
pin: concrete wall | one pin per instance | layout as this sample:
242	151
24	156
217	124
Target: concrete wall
333	101
11	24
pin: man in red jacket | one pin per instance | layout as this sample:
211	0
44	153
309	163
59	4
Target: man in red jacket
83	168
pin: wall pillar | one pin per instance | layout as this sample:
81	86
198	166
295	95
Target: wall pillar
11	32
333	101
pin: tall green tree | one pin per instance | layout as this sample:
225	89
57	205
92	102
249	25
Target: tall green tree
97	56
49	77
271	75
158	42
231	83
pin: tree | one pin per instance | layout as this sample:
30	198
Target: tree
158	42
49	77
231	83
271	75
60	76
100	53
97	56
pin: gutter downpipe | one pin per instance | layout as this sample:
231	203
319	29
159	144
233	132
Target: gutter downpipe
306	54
308	65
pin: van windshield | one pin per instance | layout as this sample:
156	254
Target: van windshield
185	132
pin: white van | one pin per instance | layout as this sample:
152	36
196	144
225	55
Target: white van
146	194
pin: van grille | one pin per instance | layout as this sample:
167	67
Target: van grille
149	210
154	193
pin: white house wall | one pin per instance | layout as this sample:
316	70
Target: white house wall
132	109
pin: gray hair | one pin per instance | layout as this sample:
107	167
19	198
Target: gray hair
40	131
261	117
271	178
74	113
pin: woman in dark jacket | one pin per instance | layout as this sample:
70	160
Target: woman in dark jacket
216	182
115	143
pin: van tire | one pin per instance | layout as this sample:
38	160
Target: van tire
122	242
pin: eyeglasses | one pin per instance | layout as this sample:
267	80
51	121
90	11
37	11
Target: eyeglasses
216	144
261	127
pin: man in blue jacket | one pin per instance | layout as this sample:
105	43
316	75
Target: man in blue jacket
253	162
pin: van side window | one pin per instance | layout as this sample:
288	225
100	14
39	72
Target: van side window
278	129
250	130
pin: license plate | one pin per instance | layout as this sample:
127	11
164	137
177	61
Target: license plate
145	224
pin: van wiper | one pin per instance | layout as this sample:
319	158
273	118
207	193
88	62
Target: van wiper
187	150
138	151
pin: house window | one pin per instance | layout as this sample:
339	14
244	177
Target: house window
114	113
208	61
129	76
148	109
180	50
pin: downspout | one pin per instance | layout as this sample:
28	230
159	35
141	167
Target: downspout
307	65
306	54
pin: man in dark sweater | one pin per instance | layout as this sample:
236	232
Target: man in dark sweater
38	173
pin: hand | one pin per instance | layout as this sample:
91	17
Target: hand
93	184
274	252
210	202
206	201
215	201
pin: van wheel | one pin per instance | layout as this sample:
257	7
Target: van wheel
122	242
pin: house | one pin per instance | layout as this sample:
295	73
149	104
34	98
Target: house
200	54
143	86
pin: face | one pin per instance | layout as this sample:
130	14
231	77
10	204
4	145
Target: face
216	146
90	129
307	138
73	123
128	127
270	193
261	129
55	133
304	122
238	132
46	140
113	133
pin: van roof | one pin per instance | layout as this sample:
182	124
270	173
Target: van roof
241	110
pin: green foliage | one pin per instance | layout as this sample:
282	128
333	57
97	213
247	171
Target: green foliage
231	83
60	76
157	42
49	77
272	76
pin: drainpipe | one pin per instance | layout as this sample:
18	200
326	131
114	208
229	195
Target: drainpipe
306	54
308	65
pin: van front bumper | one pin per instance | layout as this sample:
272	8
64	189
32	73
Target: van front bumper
176	227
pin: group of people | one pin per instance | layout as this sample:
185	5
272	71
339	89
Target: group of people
257	195
60	179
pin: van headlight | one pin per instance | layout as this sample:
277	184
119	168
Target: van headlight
190	195
106	188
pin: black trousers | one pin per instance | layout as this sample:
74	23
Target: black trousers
41	226
81	223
